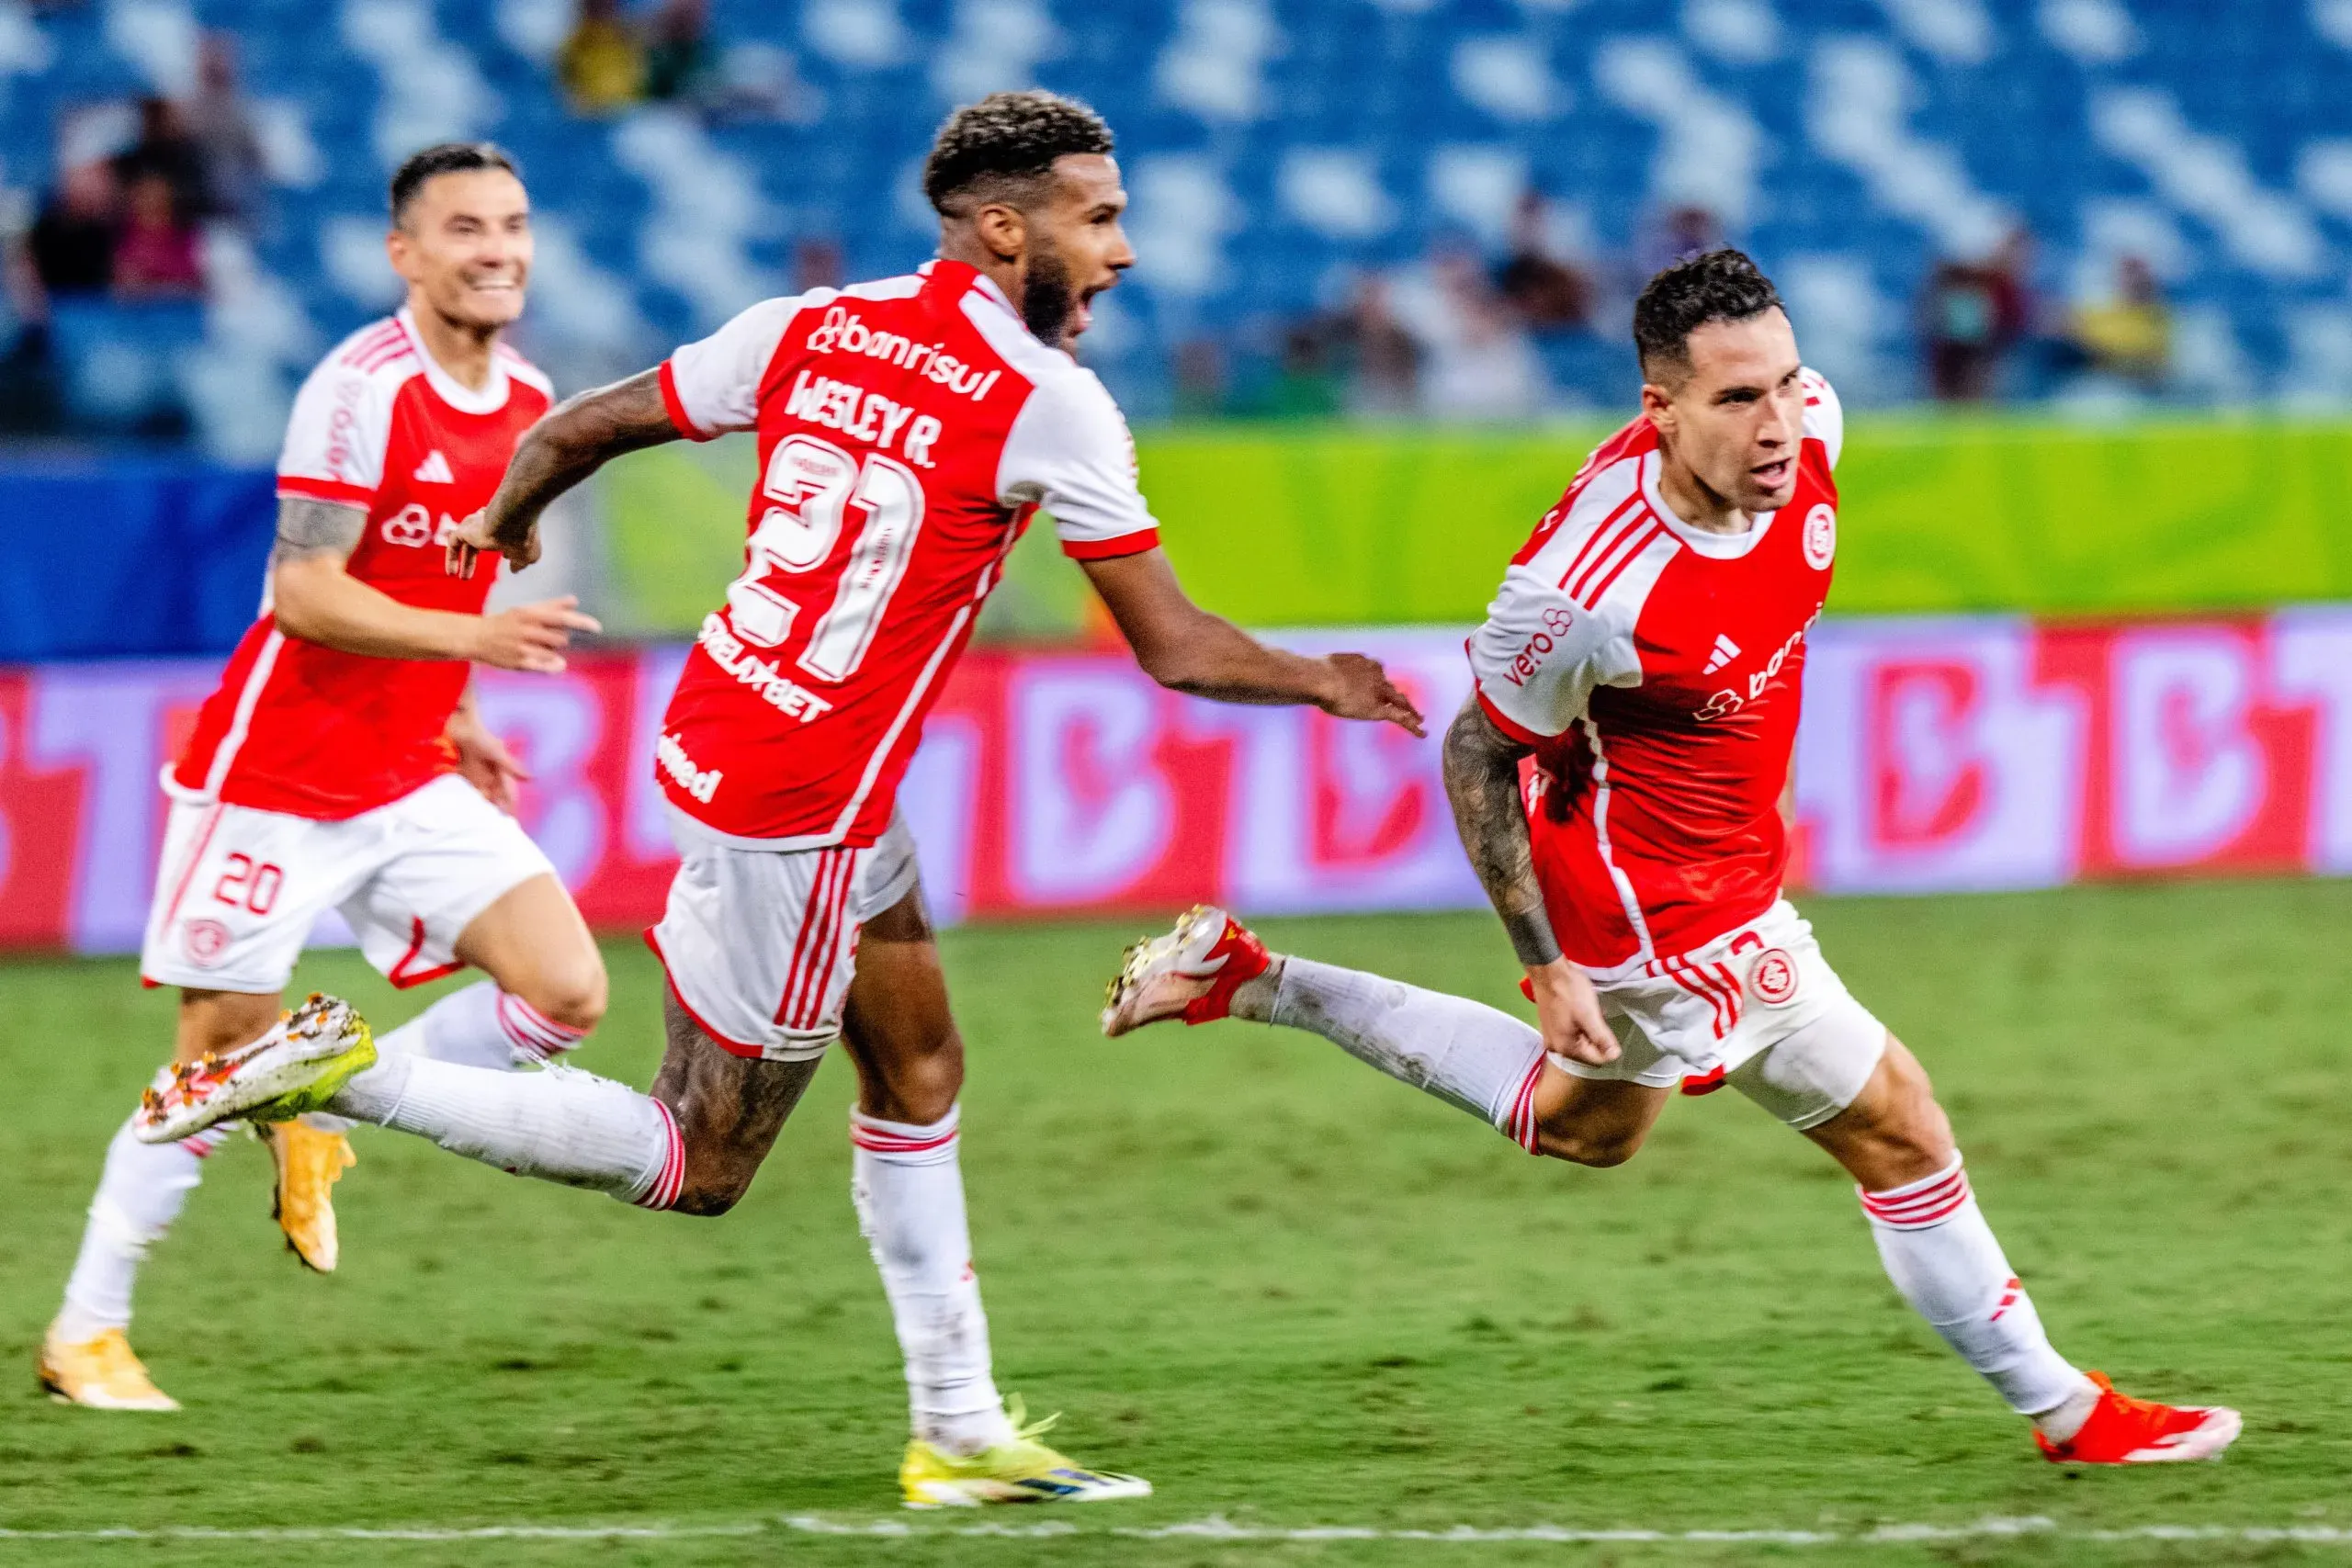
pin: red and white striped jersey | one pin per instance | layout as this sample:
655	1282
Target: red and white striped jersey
304	729
1657	670
907	429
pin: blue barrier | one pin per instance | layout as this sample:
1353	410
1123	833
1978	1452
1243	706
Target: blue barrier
111	556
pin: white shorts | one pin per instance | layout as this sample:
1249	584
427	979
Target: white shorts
760	944
239	888
1758	1008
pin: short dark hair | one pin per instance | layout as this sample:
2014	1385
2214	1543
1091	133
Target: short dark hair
444	158
1714	285
991	149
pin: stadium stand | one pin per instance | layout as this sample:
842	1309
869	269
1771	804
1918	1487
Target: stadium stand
1275	150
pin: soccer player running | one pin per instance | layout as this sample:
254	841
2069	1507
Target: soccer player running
341	764
1646	650
907	429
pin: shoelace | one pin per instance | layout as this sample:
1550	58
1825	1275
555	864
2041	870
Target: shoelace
1023	1429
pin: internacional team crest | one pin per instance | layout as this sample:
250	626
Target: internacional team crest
1773	977
206	942
1820	537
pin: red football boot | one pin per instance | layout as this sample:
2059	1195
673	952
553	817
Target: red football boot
2124	1430
1190	972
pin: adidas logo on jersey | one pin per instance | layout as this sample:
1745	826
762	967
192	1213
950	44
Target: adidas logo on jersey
434	470
1725	651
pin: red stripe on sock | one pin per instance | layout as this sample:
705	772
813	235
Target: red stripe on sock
1521	1129
673	1180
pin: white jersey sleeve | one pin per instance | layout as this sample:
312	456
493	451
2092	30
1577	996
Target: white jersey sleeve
1069	451
1540	654
337	435
712	386
1824	417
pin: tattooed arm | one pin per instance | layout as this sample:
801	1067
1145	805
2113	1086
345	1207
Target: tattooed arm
314	598
579	436
1482	781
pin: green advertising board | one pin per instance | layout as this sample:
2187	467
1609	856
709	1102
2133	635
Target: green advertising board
1353	525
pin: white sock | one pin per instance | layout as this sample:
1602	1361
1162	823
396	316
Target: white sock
141	1193
909	1190
561	1125
483	1026
1466	1053
1942	1257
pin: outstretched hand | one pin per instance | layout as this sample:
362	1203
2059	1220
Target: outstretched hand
1363	690
530	636
474	539
1567	1010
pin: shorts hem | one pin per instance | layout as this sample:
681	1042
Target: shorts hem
195	980
733	1047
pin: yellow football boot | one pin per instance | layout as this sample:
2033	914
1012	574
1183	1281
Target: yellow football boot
1021	1471
99	1373
309	1164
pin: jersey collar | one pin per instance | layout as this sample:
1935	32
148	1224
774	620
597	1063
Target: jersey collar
954	280
448	387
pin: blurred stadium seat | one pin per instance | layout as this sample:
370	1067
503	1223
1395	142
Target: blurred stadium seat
1274	147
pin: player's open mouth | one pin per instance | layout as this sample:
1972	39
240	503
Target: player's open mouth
1771	476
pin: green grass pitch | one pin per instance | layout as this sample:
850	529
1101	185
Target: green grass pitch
1291	1292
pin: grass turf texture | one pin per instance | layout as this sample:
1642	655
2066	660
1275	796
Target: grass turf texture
1291	1292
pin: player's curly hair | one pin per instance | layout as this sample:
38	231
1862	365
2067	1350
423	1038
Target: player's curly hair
444	158
1001	148
1715	285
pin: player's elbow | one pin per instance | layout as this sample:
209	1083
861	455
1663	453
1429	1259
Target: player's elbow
1174	663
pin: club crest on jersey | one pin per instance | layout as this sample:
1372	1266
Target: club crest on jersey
1821	536
1773	977
841	333
206	942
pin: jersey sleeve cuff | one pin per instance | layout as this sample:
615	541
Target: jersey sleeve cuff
1509	724
677	409
290	486
1133	544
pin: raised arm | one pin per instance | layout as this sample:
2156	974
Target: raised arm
1481	766
578	436
315	598
1186	649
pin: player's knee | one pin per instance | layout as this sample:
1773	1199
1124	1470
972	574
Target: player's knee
574	997
1599	1147
715	1181
710	1197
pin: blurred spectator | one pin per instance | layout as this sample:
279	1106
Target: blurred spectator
165	150
680	64
817	263
154	253
72	240
2129	336
1198	366
1481	364
221	127
600	65
1972	313
1383	359
1680	231
1549	294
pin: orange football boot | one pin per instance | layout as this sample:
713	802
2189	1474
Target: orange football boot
2124	1430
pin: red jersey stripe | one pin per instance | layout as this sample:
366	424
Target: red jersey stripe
1133	544
676	408
309	488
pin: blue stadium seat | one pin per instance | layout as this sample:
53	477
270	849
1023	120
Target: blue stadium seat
1244	83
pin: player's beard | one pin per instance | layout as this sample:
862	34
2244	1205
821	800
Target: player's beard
1047	299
